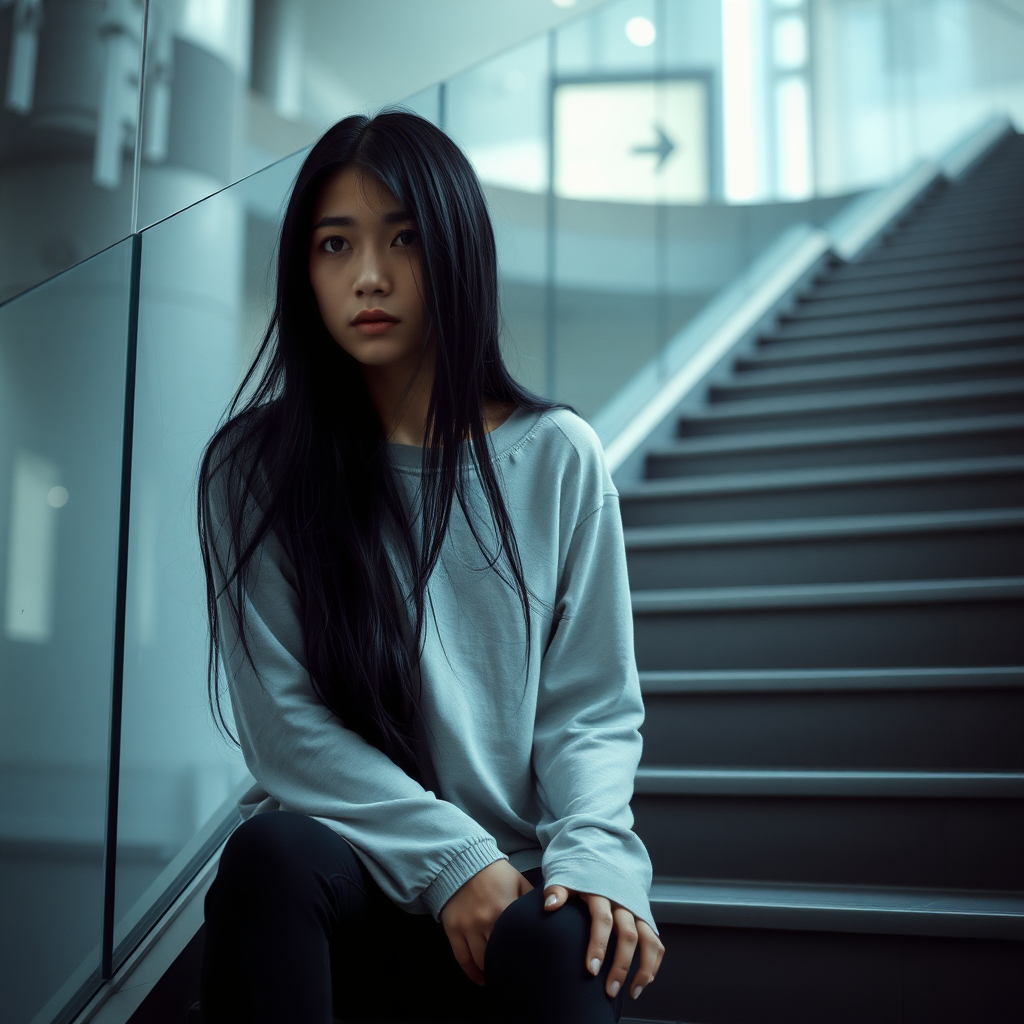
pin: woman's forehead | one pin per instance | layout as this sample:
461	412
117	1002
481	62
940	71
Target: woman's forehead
353	193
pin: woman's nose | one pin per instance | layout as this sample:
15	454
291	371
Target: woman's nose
371	278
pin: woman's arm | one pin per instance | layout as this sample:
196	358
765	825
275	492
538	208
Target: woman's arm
420	850
587	743
587	747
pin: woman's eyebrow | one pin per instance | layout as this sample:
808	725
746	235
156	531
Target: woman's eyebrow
397	217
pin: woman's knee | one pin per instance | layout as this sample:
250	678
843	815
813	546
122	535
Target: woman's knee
279	853
526	937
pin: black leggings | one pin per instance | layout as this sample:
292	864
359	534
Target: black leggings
297	931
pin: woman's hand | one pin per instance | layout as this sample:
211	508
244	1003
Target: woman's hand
629	930
469	915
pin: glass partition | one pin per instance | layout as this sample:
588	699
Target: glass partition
62	388
205	296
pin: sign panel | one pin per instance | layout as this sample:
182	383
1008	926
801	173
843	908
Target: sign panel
632	141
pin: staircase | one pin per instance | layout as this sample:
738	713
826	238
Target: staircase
827	564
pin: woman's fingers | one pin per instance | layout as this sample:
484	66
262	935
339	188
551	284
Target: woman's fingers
651	953
555	896
625	943
601	922
464	956
477	947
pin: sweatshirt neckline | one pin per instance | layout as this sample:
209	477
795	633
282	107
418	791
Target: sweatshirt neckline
501	440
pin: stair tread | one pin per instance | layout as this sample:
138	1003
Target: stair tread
865	269
826	437
829	288
831	680
826	476
841	372
889	251
961	338
818	595
813	306
778	530
905	320
666	780
787	905
859	398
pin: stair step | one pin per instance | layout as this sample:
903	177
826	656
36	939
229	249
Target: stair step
819	305
982	199
831	288
930	486
960	437
874	405
926	263
892	911
963	338
743	975
979	205
926	729
899	320
891	251
874	624
953	545
989	226
961	842
667	781
924	367
851	680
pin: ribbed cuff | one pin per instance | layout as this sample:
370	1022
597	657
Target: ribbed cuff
459	870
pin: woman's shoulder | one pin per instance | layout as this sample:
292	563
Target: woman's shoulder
574	450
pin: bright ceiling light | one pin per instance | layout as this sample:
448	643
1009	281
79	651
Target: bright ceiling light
640	31
564	3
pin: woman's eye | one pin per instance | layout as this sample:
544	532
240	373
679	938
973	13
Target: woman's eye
407	237
334	244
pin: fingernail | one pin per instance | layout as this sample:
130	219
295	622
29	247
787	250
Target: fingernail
552	899
637	989
595	965
614	989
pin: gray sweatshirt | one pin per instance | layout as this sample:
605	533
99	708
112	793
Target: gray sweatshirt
529	761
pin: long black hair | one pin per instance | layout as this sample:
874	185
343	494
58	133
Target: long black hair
302	453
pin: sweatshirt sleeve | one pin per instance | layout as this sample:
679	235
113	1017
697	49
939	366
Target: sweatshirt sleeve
418	848
586	737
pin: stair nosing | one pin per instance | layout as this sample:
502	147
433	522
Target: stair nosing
840	372
822	908
838	436
803	330
744	532
784	596
938	298
857	398
679	682
802	479
770	355
773	782
832	289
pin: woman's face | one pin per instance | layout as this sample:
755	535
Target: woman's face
364	265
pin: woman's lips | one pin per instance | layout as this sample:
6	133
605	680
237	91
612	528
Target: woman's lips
371	327
373	321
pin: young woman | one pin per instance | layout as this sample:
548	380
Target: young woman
417	587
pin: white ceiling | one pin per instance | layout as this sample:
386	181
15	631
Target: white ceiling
372	52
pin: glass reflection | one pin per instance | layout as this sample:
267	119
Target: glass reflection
62	384
205	296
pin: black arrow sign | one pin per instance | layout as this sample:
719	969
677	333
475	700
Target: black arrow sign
663	148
